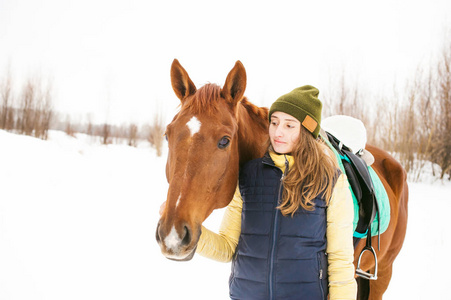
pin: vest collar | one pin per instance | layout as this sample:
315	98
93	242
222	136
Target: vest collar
278	160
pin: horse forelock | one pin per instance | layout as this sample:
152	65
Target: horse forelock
205	100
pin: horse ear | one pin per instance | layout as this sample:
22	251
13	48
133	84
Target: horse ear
181	83
235	84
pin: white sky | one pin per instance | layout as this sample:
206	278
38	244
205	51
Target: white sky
122	50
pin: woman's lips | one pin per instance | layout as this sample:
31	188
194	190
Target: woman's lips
279	142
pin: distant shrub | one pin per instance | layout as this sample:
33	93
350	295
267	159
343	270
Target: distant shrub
156	134
133	135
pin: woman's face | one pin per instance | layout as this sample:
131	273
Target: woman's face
284	131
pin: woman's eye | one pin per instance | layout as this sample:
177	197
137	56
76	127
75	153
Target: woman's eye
223	142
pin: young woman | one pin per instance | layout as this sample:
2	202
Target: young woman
288	229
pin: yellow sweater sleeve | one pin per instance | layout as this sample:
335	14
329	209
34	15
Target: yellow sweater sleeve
340	249
221	247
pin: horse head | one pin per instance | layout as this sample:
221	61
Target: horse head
203	158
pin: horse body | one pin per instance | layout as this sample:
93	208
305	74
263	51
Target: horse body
394	179
216	131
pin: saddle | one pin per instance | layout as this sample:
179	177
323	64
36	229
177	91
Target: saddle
356	169
361	184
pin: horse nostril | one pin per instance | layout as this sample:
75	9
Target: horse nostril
157	233
187	238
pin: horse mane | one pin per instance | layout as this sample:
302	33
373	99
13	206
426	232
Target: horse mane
259	114
253	139
204	100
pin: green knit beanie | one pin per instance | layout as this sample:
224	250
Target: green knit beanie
303	104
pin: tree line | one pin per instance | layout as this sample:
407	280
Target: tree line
414	126
30	111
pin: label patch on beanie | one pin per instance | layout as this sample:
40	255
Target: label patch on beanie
309	123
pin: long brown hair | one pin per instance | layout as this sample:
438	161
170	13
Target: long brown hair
312	174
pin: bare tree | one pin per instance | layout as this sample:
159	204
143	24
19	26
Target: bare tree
133	135
441	152
35	109
46	111
27	102
106	134
6	109
156	134
386	123
346	99
406	142
69	129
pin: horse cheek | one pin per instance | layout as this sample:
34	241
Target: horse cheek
167	171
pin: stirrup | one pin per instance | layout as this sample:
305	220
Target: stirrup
362	273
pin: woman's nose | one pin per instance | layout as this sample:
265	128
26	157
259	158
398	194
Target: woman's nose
279	131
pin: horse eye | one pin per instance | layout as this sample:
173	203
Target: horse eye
224	142
165	136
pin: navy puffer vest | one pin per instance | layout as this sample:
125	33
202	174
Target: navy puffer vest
277	257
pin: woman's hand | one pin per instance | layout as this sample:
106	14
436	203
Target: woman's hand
162	207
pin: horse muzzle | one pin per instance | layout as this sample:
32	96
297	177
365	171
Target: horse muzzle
177	244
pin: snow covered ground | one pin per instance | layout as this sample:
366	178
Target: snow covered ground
77	221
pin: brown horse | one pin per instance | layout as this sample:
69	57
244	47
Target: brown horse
215	132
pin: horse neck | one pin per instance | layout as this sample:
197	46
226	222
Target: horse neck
252	131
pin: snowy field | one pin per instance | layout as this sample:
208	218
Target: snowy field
77	221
